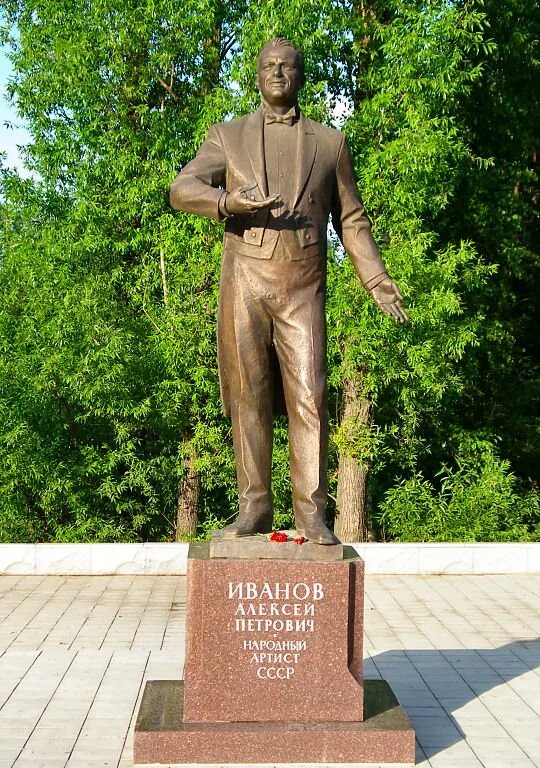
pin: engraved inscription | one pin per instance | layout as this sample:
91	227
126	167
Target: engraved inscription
270	610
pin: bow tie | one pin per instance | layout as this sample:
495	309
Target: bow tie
288	119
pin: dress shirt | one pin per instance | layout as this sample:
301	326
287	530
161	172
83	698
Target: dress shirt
280	155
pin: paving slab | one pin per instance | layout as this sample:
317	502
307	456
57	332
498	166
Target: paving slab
462	654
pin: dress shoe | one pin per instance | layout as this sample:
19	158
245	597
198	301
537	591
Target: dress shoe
247	525
314	529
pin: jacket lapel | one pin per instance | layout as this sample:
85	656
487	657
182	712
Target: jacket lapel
307	149
255	148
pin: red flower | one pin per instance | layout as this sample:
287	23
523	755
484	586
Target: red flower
300	540
279	536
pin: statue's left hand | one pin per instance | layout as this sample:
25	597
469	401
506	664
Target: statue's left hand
388	298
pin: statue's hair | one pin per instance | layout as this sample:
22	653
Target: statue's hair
282	42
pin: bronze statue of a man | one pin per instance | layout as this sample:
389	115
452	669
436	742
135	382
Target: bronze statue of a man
275	177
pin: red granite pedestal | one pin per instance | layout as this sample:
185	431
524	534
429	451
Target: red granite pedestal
273	671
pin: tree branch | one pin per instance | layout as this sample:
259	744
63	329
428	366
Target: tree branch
169	89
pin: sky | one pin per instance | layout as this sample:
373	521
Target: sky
10	137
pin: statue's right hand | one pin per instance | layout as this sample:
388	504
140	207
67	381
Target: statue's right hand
243	200
388	298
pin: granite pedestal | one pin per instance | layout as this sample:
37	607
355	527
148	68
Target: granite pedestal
273	670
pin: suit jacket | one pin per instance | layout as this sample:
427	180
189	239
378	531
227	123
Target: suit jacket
232	156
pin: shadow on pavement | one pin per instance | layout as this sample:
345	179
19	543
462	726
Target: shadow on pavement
450	694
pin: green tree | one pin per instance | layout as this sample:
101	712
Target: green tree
110	422
108	299
497	209
408	67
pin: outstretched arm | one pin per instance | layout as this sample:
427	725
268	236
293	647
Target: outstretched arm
354	230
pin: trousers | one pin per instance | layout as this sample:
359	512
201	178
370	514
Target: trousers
268	309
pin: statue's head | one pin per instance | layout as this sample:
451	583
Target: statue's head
280	72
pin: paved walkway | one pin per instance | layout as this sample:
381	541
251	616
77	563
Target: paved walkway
462	653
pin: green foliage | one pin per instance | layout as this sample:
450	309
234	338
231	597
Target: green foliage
406	82
108	299
108	376
497	208
475	500
411	70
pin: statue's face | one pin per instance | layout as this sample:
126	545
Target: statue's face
279	76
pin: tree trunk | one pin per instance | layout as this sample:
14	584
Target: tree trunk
351	510
211	53
163	270
189	485
351	523
188	502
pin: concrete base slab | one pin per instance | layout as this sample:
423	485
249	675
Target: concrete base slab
162	737
168	558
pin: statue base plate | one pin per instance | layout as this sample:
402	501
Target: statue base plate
259	547
162	737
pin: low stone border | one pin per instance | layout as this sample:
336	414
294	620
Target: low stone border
155	558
